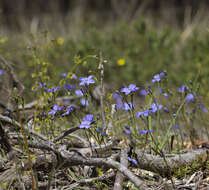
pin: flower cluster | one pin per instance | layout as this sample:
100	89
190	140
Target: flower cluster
55	109
128	106
153	108
69	86
52	89
183	89
145	131
69	109
157	78
129	89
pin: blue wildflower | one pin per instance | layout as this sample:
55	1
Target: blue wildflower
89	117
175	127
144	113
64	75
69	109
153	109
84	102
74	76
40	85
79	92
55	109
143	92
145	131
129	89
155	106
86	81
87	121
165	95
133	161
52	89
128	106
157	78
118	100
166	110
68	86
99	129
189	97
85	124
1	72
183	89
202	107
127	130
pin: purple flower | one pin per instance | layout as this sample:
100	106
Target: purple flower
99	129
202	107
139	114
166	110
69	86
189	97
74	76
86	122
89	117
64	75
40	85
69	109
165	95
143	92
52	89
1	72
84	102
157	78
145	131
118	100
183	89
128	106
133	161
154	107
129	89
144	113
78	92
127	130
55	109
175	127
86	81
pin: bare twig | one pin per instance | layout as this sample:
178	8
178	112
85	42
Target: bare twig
15	78
16	125
66	133
101	68
32	104
118	185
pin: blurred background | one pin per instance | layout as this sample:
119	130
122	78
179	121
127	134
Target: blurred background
138	38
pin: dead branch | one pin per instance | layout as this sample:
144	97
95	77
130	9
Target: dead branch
15	79
64	134
16	126
119	176
157	164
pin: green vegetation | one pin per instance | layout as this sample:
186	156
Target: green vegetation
144	48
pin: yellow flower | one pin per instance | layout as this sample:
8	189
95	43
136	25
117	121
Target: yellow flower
60	41
3	40
121	62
